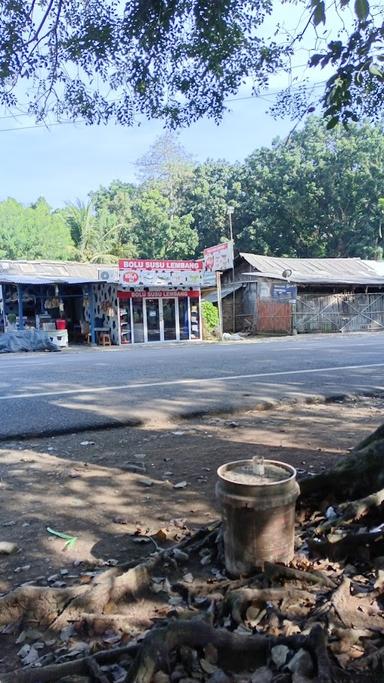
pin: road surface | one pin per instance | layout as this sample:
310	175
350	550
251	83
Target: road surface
79	389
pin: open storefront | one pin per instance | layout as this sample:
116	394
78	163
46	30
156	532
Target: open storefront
159	300
73	303
70	303
154	316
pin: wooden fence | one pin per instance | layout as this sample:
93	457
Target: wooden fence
339	312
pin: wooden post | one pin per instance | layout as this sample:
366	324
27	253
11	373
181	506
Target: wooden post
219	302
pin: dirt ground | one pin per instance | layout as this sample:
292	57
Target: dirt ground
83	484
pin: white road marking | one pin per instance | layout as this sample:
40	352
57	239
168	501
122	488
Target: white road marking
201	380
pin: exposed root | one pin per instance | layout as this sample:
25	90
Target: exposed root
274	571
55	672
318	644
54	607
238	601
355	509
349	545
154	653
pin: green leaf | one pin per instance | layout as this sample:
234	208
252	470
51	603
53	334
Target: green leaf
70	540
361	9
332	122
319	13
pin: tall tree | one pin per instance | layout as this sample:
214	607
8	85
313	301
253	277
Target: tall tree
100	235
159	232
216	185
113	209
166	161
33	232
316	196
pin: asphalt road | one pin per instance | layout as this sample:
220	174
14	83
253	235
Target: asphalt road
79	389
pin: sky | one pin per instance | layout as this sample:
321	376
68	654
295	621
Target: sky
65	162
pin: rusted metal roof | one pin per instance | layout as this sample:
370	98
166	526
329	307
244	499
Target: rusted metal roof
316	270
52	272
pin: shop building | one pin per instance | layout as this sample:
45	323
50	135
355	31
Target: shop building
83	303
159	300
275	295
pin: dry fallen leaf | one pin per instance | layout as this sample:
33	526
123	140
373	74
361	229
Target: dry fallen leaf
207	666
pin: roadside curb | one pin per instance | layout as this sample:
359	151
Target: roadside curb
227	410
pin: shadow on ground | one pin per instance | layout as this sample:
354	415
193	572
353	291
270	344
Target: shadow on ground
81	485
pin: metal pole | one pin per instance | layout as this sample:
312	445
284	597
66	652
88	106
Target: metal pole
219	302
91	300
20	304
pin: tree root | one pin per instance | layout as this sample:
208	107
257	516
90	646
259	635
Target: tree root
349	545
154	653
273	571
95	671
54	672
237	601
54	607
355	509
156	648
318	646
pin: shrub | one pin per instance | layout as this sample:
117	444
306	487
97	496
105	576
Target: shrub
210	315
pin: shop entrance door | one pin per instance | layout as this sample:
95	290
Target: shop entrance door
169	319
153	319
137	320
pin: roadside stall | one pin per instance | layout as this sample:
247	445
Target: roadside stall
71	303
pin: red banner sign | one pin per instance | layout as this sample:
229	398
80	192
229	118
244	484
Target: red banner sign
159	294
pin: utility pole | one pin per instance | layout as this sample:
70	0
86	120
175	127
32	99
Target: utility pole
230	211
219	303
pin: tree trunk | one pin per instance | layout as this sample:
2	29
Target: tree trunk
357	474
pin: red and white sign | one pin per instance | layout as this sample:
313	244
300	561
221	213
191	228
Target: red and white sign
130	277
160	273
157	294
218	257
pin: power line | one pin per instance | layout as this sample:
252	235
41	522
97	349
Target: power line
256	96
39	125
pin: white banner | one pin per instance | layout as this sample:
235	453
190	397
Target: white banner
160	273
218	257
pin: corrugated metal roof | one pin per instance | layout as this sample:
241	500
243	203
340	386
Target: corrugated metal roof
377	266
51	272
316	270
226	291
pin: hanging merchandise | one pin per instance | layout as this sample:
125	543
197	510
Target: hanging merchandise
52	303
108	308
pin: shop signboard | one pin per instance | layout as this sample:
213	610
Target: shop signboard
284	292
219	257
158	294
160	273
